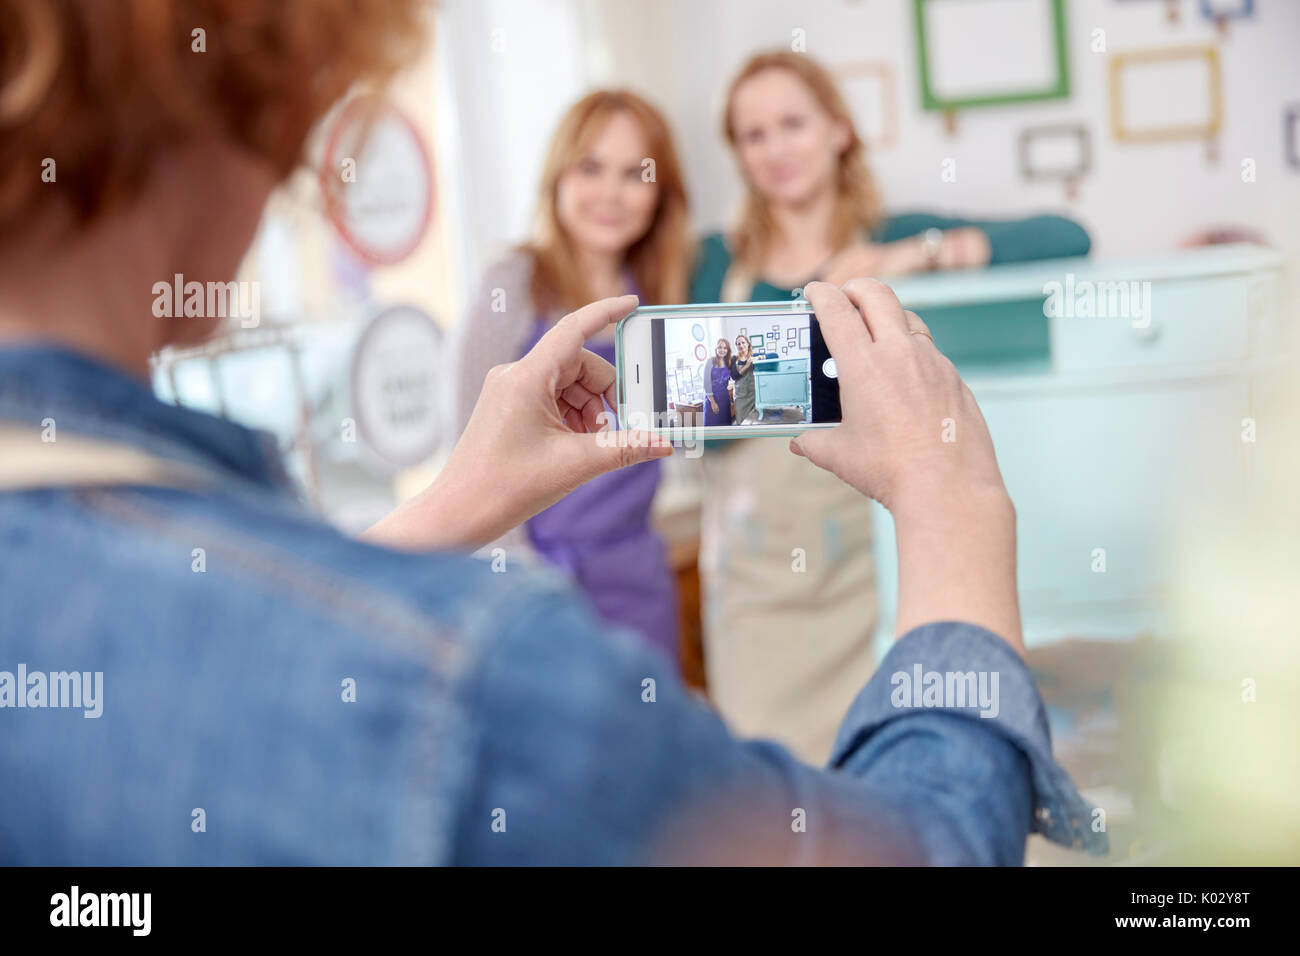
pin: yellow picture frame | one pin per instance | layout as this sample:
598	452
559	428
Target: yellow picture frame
883	72
1160	134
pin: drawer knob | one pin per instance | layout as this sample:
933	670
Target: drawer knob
1147	334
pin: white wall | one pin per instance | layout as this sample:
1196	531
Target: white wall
511	67
680	53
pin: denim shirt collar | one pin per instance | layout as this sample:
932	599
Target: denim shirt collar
84	396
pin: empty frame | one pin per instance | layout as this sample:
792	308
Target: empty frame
872	93
1062	153
1167	94
1019	56
1220	10
1171	9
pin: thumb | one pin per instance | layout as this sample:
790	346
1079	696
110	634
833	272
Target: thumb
816	446
609	450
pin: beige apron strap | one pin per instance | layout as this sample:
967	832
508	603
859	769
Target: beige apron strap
27	462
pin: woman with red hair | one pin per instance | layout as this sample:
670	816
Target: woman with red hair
608	223
265	690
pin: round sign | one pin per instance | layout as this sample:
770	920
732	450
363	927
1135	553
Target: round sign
395	385
377	181
697	330
700	353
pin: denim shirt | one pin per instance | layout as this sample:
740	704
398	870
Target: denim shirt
287	695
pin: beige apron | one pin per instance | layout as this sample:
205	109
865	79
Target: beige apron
788	585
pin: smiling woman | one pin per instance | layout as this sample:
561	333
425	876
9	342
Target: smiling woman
611	218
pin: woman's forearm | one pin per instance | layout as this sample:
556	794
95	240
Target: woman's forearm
957	561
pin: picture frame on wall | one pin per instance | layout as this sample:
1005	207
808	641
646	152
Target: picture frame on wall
1030	56
871	88
1166	94
1220	11
1060	152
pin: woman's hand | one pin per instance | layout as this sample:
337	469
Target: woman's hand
963	248
913	438
713	404
857	259
538	431
910	425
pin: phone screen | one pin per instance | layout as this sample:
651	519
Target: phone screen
744	370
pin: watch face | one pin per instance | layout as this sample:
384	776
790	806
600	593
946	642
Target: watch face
931	242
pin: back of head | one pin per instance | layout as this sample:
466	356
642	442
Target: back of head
91	93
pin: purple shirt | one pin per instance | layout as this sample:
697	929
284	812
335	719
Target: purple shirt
719	376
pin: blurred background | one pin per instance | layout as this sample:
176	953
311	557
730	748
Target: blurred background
1153	469
681	54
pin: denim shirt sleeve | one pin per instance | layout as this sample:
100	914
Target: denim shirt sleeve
1013	713
585	748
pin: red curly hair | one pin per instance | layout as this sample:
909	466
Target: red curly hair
101	87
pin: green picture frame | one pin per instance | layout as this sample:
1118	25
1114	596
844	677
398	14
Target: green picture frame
1059	89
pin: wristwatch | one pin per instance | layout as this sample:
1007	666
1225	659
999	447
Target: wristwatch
931	245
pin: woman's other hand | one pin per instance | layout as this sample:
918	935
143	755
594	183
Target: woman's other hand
963	248
857	259
538	431
913	438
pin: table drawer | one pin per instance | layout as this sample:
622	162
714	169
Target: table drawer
1125	324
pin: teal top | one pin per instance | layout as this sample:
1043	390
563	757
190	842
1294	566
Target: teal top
1011	240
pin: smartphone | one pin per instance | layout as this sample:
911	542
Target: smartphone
683	370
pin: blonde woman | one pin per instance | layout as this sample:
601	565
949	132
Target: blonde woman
788	638
604	228
742	376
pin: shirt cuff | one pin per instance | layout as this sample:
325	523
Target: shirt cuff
967	671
